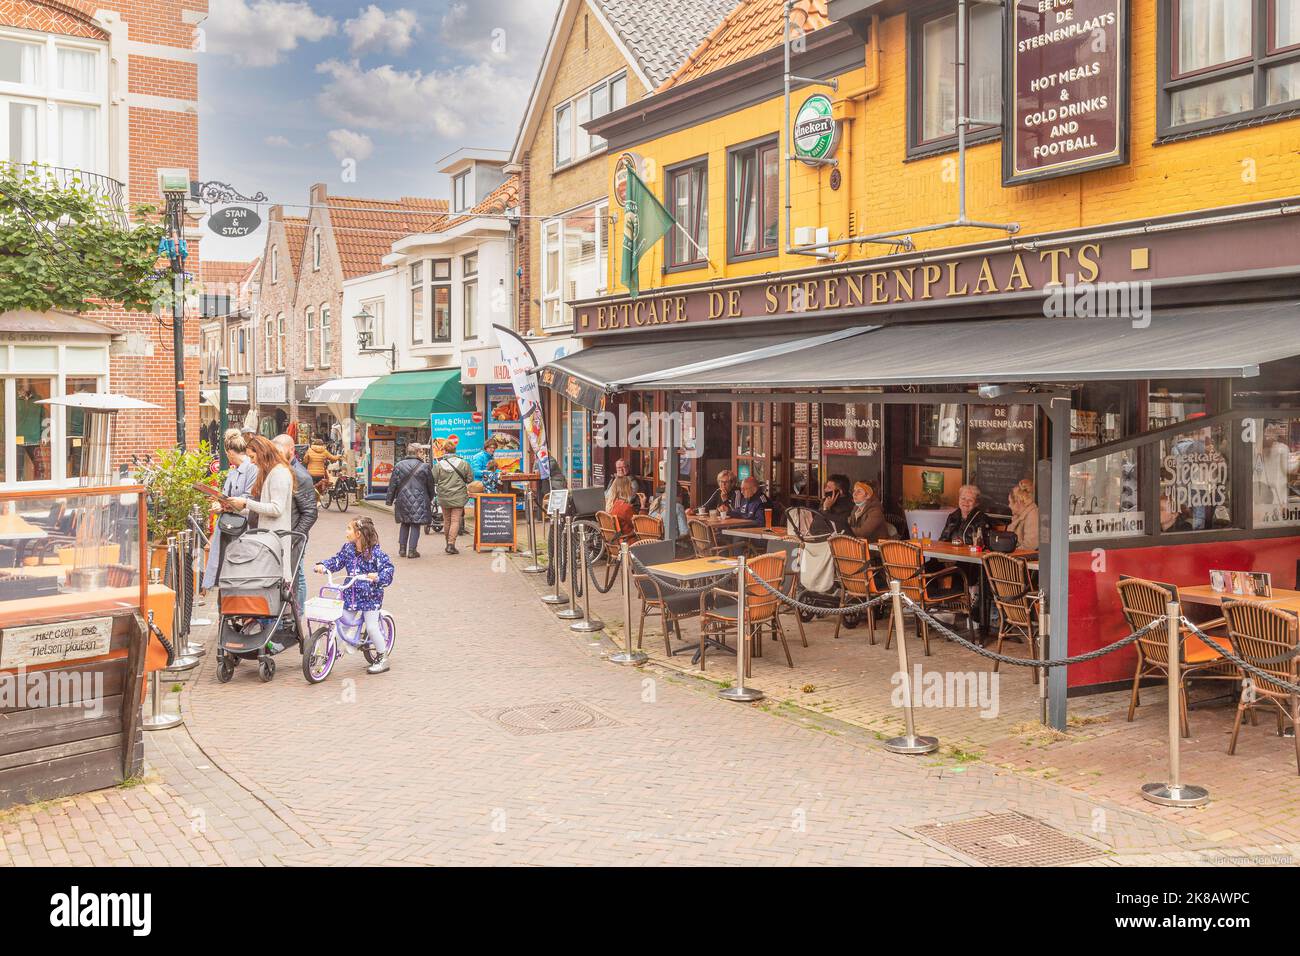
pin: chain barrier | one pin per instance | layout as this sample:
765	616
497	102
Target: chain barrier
594	554
952	635
668	587
815	608
1244	665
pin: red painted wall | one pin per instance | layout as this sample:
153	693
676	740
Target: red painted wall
1095	616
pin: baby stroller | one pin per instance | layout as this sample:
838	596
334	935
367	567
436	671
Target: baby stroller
259	618
818	585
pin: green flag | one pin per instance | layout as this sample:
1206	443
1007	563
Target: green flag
645	221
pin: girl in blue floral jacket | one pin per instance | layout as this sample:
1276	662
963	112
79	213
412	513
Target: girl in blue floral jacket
362	558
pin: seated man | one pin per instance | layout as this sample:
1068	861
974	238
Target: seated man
752	502
837	502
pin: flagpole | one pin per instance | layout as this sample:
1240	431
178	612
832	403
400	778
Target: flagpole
695	245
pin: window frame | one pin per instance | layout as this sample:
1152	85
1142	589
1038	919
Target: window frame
433	285
599	209
47	93
326	336
417	283
309	325
468	294
1258	65
757	146
595	145
460	192
917	147
673	241
315	249
275	264
281	329
378	320
268	360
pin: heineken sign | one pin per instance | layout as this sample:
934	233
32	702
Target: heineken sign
816	131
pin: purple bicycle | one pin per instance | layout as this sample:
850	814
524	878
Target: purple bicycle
334	631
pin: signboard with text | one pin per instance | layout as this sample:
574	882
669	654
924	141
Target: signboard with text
39	644
1066	98
1000	440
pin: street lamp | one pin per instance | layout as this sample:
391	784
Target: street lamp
365	323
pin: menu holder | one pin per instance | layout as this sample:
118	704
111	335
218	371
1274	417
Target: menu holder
1242	583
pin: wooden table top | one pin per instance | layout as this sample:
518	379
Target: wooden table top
755	533
1204	594
960	553
695	568
720	522
16	528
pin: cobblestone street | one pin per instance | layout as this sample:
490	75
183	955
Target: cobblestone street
433	763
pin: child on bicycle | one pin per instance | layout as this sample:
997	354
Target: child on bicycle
362	558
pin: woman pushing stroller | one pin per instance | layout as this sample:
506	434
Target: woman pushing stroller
362	560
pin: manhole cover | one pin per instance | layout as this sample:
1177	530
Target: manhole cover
1010	839
556	718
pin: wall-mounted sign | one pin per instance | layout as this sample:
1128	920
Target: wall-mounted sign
234	222
1000	444
816	131
625	162
54	643
272	390
1066	97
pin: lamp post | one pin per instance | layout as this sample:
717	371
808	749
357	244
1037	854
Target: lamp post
174	184
365	324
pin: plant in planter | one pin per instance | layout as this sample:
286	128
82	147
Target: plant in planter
170	479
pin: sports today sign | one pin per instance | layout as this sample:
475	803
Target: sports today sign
816	131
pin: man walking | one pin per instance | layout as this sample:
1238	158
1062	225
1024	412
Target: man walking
304	510
452	475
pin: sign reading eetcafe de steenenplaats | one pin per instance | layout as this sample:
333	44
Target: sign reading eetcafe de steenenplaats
816	131
1067	89
38	644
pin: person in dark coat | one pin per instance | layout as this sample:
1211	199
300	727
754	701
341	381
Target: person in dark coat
410	491
304	511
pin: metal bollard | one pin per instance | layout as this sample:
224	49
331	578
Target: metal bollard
740	692
557	598
910	743
1043	632
629	656
572	612
1175	793
183	661
156	719
534	567
190	549
588	624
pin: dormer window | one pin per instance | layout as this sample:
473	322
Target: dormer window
460	192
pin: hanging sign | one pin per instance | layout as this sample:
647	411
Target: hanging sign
816	131
625	162
1066	98
234	222
1000	442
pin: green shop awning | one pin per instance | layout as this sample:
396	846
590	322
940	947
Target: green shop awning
409	398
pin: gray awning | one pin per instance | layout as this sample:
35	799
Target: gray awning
1211	342
338	391
612	367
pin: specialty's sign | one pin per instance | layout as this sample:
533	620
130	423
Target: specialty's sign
816	131
1000	440
234	222
38	644
1066	101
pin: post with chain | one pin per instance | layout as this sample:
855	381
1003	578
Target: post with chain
556	561
1043	628
630	655
1175	793
572	612
588	624
740	692
533	567
910	743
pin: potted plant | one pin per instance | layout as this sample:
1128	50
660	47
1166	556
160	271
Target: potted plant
926	513
170	480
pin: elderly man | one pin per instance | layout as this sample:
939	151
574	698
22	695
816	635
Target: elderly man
752	502
304	509
969	521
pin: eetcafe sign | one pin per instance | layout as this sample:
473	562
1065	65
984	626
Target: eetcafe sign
1066	100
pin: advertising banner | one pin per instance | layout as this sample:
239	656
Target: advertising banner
521	361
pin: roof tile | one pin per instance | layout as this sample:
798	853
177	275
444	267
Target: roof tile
365	229
753	27
660	33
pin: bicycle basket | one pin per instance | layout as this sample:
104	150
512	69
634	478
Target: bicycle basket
327	610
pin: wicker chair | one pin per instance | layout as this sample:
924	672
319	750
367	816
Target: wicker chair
670	607
1260	633
1144	602
705	542
762	608
646	528
789	546
859	575
1017	602
612	535
941	590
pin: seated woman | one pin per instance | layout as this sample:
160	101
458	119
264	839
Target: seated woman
724	496
1024	518
867	519
969	520
618	502
657	510
752	502
836	502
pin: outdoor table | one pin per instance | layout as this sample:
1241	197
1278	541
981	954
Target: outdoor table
1204	594
754	534
721	524
692	569
16	529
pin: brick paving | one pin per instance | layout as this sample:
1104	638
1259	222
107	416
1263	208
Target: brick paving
410	768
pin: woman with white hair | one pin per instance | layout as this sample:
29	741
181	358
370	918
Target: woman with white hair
969	521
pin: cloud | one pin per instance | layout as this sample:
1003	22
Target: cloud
277	141
446	102
502	31
373	30
345	144
259	33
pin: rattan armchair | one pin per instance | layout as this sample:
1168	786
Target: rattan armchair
1266	637
860	576
705	542
943	589
718	608
1016	600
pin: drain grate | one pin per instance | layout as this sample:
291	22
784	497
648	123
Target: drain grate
554	718
1010	839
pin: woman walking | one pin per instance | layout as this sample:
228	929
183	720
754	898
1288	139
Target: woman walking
410	491
239	480
452	475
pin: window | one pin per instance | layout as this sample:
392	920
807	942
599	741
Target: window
315	249
688	201
234	351
326	337
379	333
1274	445
572	142
933	76
268	359
755	192
469	296
1223	61
310	350
460	192
279	342
243	351
275	264
32	429
417	303
1196	479
53	102
574	261
440	299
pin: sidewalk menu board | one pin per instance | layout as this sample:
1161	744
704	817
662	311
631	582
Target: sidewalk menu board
1066	97
1000	441
494	522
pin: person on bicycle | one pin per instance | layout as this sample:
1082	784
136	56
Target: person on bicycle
363	560
317	458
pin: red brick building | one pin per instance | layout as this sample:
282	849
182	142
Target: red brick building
108	89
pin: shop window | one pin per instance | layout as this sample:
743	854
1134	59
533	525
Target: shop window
310	352
326	337
937	432
1225	61
1104	498
805	453
642	457
1276	386
1170	402
753	444
933	76
32	458
688	201
1196	479
753	185
572	142
74	427
574	262
440	301
1100	413
417	303
469	296
1274	446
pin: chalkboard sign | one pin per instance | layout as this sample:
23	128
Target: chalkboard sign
494	522
1001	445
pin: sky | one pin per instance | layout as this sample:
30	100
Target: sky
365	97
